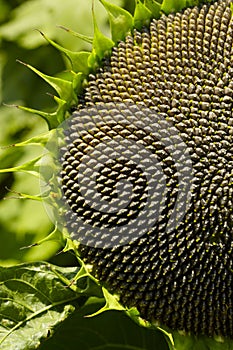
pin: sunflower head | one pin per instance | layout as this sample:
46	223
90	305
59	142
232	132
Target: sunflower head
145	164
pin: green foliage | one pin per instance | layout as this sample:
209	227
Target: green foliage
24	222
112	330
42	301
34	301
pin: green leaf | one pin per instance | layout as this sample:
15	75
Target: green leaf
121	21
111	330
34	301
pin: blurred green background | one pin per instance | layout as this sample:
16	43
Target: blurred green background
24	222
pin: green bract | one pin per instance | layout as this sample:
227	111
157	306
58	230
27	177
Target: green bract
83	63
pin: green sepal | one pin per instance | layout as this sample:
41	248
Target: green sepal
21	195
81	62
71	246
154	7
88	39
142	15
170	6
40	140
93	61
78	60
168	337
102	45
121	21
54	236
111	303
52	119
61	86
83	282
46	116
59	115
78	79
32	167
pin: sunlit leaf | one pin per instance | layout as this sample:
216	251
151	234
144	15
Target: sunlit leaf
34	301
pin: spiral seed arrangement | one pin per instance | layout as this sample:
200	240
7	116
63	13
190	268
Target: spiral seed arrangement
148	167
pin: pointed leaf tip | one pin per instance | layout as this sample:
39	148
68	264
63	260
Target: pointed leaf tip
40	140
154	7
142	15
121	21
85	38
78	60
61	86
19	195
55	236
50	118
111	303
102	45
31	167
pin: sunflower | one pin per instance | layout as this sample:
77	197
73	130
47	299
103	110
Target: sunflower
142	178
